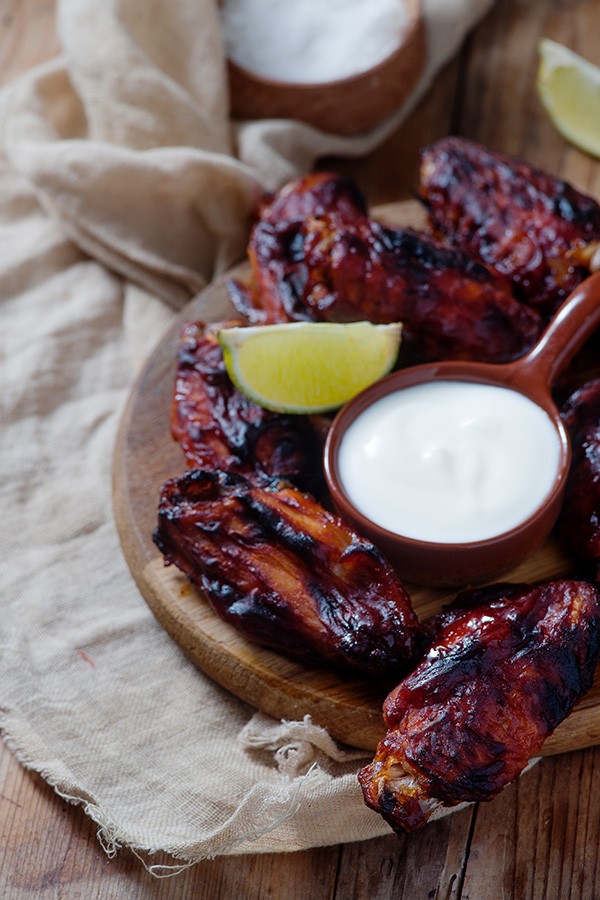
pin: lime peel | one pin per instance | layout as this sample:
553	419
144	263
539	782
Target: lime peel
569	88
308	367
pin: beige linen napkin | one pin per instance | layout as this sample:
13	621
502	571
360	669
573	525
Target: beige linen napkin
121	197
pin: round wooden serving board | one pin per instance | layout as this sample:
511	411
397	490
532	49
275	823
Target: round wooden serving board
145	456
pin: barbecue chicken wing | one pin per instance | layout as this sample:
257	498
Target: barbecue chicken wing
531	227
579	521
287	574
339	265
218	428
314	195
310	196
505	666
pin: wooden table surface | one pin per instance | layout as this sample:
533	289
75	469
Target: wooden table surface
541	837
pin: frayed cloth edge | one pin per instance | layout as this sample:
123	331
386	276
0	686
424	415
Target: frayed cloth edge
112	839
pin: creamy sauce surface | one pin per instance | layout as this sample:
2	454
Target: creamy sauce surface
303	41
449	461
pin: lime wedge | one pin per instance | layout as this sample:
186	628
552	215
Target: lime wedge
308	367
569	88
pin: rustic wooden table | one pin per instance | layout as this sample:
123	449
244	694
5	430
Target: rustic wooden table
541	837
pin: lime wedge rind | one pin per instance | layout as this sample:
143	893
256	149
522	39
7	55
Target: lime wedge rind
308	367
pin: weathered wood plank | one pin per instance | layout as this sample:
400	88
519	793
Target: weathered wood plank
429	864
540	838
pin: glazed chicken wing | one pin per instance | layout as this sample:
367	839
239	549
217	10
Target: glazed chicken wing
310	196
218	428
287	574
505	667
314	195
531	227
579	521
339	265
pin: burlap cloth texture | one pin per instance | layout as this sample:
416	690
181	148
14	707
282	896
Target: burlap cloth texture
124	190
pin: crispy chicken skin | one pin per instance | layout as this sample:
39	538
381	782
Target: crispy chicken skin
313	195
218	428
505	666
579	522
525	223
336	264
287	574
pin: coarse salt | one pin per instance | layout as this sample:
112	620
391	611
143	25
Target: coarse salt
311	41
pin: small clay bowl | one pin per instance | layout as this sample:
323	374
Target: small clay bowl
345	107
449	564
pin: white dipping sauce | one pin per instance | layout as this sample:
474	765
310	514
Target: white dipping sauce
449	461
303	41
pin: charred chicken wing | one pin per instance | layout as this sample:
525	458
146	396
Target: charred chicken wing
339	265
311	196
505	666
579	521
218	428
314	195
529	226
287	574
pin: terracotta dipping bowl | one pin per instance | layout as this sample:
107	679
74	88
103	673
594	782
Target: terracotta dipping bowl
451	564
347	106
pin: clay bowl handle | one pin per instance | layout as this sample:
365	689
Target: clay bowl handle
576	319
